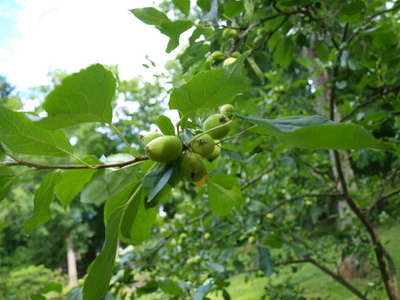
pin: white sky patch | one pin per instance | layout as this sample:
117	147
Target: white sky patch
72	34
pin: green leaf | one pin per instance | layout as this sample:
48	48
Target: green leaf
104	187
170	287
223	193
256	69
216	267
37	297
2	151
154	181
249	6
165	125
283	54
209	89
316	132
98	279
264	262
232	9
173	30
52	287
76	294
142	222
118	200
212	14
130	211
21	135
6	181
202	290
82	97
43	198
322	50
73	181
182	5
150	16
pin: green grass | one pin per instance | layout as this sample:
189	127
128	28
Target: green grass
312	280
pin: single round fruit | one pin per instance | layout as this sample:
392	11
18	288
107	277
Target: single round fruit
149	136
212	123
193	168
236	54
216	55
203	145
228	33
227	109
207	235
216	152
229	61
164	148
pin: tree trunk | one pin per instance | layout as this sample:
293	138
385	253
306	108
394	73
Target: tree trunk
71	259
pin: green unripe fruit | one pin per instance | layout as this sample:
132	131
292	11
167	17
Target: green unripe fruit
229	33
193	168
216	152
149	136
212	123
207	235
262	32
258	41
228	61
164	149
236	54
216	55
203	145
227	109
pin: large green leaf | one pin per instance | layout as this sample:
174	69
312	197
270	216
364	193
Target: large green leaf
168	286
283	54
182	5
21	135
73	181
98	279
173	30
316	132
264	262
209	89
154	181
43	198
223	193
82	97
6	181
150	16
165	125
104	187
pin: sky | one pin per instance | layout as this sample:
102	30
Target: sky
39	36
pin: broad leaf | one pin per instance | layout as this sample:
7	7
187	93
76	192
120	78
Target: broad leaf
170	287
232	9
6	181
165	125
2	151
264	262
43	198
52	286
202	290
150	16
82	97
283	54
154	181
21	135
173	30
223	193
130	211
76	294
209	89
141	224
118	200
182	5
98	279
316	132
104	187
73	181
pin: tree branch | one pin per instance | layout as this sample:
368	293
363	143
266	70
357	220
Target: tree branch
372	100
258	177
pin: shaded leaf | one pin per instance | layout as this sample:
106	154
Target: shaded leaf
170	287
98	279
43	198
21	135
283	54
73	181
264	262
6	181
81	98
212	14
104	187
316	132
223	193
165	125
182	5
150	16
209	89
256	69
76	294
155	180
118	200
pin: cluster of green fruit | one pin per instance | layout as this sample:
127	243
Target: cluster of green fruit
191	156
